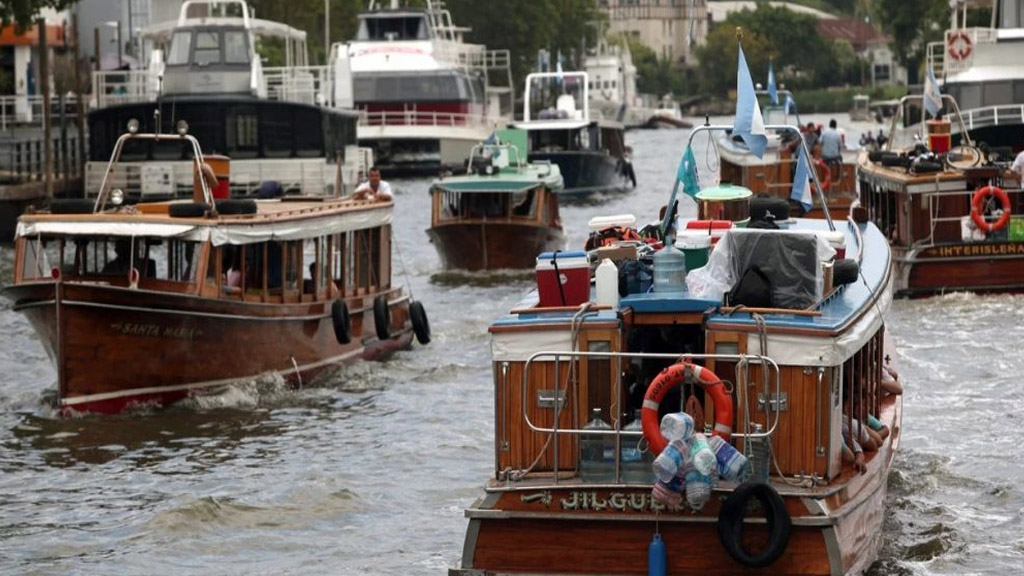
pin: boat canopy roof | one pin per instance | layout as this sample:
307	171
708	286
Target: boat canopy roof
162	32
553	125
274	221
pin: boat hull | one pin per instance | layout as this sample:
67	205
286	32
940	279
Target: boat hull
964	267
573	528
585	172
115	347
483	245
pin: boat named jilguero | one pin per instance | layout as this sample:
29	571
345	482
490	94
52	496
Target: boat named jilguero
782	357
952	216
500	214
153	302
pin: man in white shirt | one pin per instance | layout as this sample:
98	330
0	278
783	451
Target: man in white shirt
1018	167
375	189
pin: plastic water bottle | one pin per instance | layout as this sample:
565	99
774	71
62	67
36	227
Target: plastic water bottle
760	455
703	458
597	451
607	277
732	465
675	457
669	270
698	489
678	426
636	464
657	559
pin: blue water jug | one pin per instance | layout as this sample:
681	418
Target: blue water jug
657	560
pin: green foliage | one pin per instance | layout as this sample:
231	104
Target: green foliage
23	13
791	40
912	24
655	75
308	15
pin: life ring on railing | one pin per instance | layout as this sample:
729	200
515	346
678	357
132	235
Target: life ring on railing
820	165
978	208
959	45
730	524
673	376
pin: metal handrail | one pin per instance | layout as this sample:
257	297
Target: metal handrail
415	117
898	114
115	156
777	128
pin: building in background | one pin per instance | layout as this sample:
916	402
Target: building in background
19	64
869	45
672	28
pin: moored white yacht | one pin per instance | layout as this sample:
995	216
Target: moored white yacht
423	93
979	66
289	128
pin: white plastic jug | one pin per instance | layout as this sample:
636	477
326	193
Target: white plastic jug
607	276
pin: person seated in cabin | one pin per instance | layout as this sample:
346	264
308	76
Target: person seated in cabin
524	208
891	381
122	262
232	281
374	189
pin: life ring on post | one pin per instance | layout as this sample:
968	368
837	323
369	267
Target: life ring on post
730	524
673	376
959	45
819	166
978	208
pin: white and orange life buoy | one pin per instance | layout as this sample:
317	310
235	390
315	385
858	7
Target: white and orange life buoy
978	208
673	376
959	45
820	165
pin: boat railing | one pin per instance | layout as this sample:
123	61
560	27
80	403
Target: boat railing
770	377
113	87
411	116
28	110
938	59
932	201
900	128
993	116
301	84
22	159
156	180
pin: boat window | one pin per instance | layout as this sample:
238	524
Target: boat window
391	28
243	132
277	136
1018	91
294	265
236	47
409	88
207	48
970	96
523	205
181	45
997	93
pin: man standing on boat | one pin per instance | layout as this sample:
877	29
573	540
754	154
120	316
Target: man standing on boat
374	189
1018	167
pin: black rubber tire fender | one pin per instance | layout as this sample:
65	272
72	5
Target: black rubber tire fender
188	210
235	206
927	167
420	324
341	321
382	317
71	206
893	160
730	524
845	271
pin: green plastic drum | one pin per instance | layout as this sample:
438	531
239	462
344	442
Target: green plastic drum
725	202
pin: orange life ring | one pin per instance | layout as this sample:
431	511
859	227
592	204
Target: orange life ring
956	51
820	165
673	376
978	208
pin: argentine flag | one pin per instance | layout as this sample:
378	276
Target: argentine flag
773	90
687	174
932	96
802	182
749	124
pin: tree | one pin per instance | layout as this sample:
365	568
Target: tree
912	24
23	13
655	75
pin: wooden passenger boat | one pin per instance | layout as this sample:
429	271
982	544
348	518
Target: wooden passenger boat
788	373
151	303
953	219
773	173
500	214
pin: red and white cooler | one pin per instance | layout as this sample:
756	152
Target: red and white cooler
563	278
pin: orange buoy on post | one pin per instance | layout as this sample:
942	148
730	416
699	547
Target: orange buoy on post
673	376
978	208
217	171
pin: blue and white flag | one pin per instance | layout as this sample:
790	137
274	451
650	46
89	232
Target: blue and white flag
558	68
790	108
749	124
773	90
932	96
687	173
802	182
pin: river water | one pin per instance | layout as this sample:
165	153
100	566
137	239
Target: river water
371	473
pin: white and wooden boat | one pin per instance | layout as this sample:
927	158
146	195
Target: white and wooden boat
776	380
953	218
153	302
500	214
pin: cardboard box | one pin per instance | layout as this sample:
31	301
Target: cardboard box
569	285
616	253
